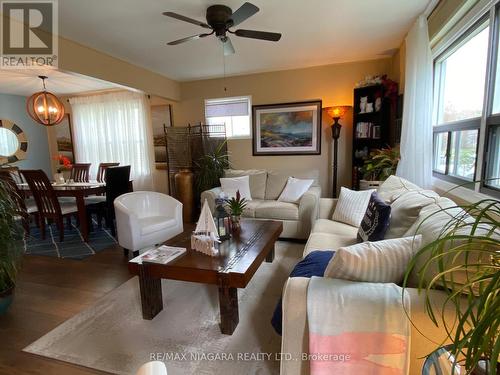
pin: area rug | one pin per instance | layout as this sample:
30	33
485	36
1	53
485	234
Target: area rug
73	246
112	336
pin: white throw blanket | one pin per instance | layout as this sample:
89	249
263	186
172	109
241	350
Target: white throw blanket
357	328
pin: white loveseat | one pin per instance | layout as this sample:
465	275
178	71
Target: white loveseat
265	188
330	235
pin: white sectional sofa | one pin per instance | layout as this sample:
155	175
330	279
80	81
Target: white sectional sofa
330	235
265	188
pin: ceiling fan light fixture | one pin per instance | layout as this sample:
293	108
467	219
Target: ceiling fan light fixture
44	107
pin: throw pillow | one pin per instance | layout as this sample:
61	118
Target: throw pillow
378	262
376	220
405	210
351	206
257	179
294	190
230	185
314	264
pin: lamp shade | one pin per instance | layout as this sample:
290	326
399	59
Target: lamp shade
337	111
45	108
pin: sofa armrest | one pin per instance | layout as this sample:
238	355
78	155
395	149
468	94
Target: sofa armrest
295	339
326	207
308	209
210	196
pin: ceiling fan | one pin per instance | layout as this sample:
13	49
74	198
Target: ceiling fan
220	19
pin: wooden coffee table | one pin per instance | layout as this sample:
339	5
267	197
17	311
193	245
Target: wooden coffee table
239	259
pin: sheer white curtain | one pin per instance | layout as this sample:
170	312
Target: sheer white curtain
416	132
114	127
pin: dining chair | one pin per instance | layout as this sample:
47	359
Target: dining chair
14	173
49	207
80	172
101	170
117	183
24	207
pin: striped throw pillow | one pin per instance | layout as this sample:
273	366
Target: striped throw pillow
377	262
351	206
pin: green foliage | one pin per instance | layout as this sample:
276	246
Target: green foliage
210	168
466	255
11	236
381	164
236	204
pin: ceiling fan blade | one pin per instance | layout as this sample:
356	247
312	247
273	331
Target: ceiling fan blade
247	10
254	34
228	46
186	19
187	39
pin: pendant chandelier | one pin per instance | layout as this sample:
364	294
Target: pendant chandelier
44	107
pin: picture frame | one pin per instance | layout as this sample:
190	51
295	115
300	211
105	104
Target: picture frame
161	118
376	132
64	138
287	128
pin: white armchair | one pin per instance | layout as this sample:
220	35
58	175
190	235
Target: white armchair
146	218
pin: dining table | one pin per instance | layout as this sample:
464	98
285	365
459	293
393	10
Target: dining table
77	190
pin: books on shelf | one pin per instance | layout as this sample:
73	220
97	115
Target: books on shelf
161	255
363	130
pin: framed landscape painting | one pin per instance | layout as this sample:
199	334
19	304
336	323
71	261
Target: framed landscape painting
287	129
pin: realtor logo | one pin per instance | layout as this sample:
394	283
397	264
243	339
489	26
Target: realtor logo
29	34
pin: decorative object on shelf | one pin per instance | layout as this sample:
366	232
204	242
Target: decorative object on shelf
13	142
369	81
222	220
362	104
44	107
376	132
11	240
204	237
236	207
64	138
287	129
381	164
464	262
369	107
336	113
64	165
378	104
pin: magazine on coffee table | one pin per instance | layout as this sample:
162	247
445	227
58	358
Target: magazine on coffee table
161	255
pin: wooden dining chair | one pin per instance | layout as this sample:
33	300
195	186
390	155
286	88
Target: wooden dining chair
102	170
14	173
46	200
80	172
23	209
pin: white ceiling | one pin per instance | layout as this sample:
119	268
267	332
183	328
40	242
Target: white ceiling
26	82
315	32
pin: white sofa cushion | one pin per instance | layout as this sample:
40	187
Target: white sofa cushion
250	208
276	180
257	180
405	210
231	185
383	261
395	185
334	227
351	206
327	241
277	210
294	190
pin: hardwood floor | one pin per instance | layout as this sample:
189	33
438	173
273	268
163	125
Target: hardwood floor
48	292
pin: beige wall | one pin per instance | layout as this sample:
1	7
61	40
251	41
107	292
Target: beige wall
333	84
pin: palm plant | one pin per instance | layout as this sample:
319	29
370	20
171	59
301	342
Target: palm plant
464	260
11	235
381	164
210	168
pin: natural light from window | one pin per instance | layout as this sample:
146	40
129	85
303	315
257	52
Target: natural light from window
234	113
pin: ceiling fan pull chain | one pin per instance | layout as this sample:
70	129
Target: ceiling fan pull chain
224	67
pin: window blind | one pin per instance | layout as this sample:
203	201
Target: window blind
225	107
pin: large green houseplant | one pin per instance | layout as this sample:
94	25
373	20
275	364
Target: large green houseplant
380	164
210	168
11	244
464	261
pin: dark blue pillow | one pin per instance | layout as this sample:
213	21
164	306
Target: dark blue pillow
376	220
314	264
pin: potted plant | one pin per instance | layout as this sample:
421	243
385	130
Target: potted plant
380	164
11	245
210	168
464	261
64	165
236	207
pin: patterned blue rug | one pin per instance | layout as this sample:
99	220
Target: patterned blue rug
73	246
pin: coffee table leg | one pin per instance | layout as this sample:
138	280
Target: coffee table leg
270	256
151	298
228	303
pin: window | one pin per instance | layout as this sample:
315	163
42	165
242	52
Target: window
467	104
234	113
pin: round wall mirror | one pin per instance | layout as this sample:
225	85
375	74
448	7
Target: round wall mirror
13	142
8	142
